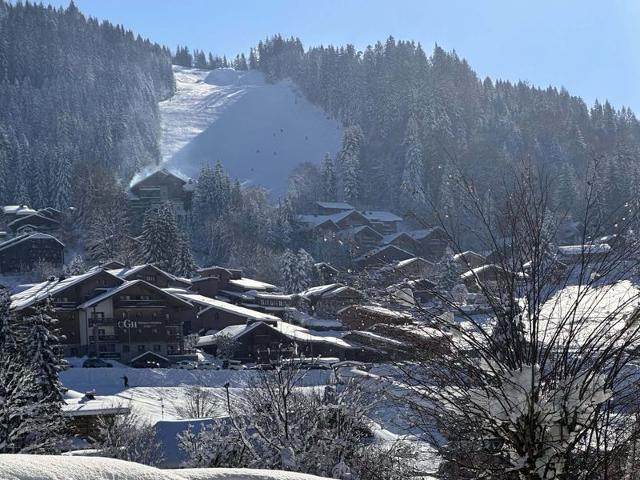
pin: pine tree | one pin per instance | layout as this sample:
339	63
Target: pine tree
184	264
329	180
160	237
42	349
62	183
350	163
412	187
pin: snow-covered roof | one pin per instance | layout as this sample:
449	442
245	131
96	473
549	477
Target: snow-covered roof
148	353
480	270
319	290
114	291
381	216
409	261
31	217
250	284
335	205
209	303
377	309
17	210
127	272
41	291
27	236
587	249
316	220
394	236
78	405
468	254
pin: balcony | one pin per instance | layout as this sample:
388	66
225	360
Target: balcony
135	303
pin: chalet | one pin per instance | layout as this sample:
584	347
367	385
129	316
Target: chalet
103	315
487	274
362	238
469	260
416	267
149	359
329	208
325	273
362	317
263	341
587	253
413	292
402	240
36	222
160	187
432	242
214	314
381	256
24	252
342	220
384	222
219	281
150	274
325	301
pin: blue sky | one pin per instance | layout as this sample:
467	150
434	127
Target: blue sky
588	46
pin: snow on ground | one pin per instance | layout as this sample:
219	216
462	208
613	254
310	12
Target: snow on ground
50	467
259	131
156	394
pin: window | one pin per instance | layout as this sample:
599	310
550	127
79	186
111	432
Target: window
141	348
145	297
157	348
150	278
101	331
154	330
171	349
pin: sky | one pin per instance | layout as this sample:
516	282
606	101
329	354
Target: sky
587	46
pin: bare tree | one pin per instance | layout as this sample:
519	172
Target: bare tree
278	423
544	387
198	402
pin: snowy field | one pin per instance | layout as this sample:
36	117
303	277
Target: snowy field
48	467
259	131
155	393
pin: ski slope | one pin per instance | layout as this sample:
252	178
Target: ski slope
259	131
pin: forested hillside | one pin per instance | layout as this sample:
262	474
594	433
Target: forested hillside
78	99
417	119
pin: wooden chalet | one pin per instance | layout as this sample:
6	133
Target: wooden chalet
413	268
402	240
432	242
150	274
103	315
384	222
487	274
363	238
325	301
162	186
324	273
469	260
330	208
36	222
24	252
362	317
381	256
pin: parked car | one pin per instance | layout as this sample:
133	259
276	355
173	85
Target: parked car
233	365
207	366
263	366
96	363
185	365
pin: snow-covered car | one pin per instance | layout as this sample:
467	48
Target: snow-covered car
96	363
233	365
185	365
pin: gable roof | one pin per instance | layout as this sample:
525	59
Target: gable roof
335	205
127	272
468	254
587	249
163	173
388	239
32	218
211	303
378	251
40	291
381	216
351	232
121	288
425	232
409	261
28	236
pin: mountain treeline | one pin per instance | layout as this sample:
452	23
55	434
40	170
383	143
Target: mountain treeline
77	96
414	122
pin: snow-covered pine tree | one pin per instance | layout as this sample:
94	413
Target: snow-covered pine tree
62	182
412	188
184	265
329	181
76	266
287	271
160	237
42	350
305	270
349	157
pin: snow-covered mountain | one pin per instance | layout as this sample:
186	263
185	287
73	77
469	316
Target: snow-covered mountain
259	131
